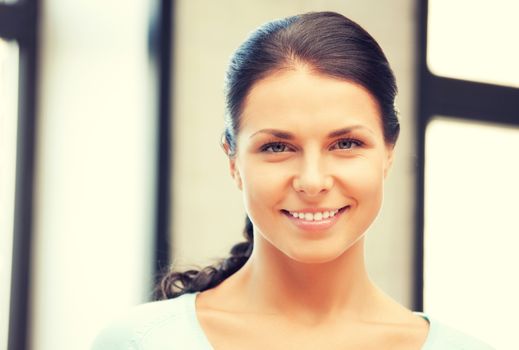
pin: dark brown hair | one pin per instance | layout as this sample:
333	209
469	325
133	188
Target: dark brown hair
327	43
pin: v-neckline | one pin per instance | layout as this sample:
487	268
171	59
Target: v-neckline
197	326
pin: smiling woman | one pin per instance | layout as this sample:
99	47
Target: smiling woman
310	135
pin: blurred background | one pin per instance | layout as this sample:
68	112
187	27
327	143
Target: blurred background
110	166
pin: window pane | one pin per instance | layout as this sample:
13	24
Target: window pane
8	126
471	228
474	40
94	198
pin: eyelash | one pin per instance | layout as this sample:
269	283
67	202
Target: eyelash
268	145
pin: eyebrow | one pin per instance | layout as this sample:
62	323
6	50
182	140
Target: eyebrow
289	136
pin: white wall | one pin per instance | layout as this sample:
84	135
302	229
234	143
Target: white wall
208	214
95	169
8	150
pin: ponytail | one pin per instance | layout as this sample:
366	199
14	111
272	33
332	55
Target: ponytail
174	284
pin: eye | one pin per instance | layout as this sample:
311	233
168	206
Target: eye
347	144
274	147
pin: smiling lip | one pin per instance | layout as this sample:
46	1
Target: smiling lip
315	226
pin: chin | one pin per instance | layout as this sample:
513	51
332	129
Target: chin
315	256
323	253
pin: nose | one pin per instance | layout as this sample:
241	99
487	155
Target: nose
312	179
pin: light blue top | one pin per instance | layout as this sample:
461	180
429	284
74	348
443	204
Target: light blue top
172	324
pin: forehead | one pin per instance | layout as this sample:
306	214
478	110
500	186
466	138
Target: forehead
303	100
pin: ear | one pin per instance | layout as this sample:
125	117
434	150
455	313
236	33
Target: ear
235	173
389	159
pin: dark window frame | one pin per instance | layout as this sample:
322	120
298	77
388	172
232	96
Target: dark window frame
459	99
163	55
19	22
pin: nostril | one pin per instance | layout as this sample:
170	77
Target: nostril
314	185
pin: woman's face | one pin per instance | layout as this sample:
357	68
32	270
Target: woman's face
310	161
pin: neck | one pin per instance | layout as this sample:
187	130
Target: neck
273	281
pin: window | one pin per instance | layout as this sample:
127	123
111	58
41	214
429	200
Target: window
468	137
474	40
471	230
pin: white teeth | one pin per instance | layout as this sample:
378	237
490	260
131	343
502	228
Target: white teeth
318	216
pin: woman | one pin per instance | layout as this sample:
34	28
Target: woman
310	135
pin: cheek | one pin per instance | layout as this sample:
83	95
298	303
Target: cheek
363	180
263	183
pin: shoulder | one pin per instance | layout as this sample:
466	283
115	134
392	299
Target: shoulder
444	337
155	325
